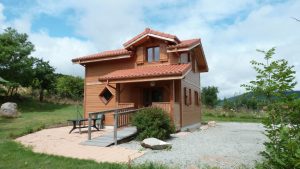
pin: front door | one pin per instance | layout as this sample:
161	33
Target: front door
152	95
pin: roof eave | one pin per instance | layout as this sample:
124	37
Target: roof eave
152	78
100	59
126	45
183	49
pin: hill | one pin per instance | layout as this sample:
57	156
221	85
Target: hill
249	95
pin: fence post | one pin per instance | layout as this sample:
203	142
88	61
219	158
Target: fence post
115	127
89	128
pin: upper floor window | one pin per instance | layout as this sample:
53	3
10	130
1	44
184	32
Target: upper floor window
153	54
184	58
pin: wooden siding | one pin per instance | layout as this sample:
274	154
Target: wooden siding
163	105
132	93
191	113
140	53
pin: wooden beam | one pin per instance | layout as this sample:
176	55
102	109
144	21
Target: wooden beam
172	86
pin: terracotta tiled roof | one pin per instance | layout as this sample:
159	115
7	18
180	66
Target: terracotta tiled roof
185	43
104	54
154	32
147	71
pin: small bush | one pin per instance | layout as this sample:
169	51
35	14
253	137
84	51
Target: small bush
153	122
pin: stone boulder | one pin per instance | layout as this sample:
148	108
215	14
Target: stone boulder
211	124
155	144
9	109
204	127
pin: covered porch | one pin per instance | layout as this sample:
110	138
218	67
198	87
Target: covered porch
164	94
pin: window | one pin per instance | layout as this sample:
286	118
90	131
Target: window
196	98
153	54
190	96
177	91
185	96
184	58
105	96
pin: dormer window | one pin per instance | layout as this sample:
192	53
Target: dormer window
184	58
153	54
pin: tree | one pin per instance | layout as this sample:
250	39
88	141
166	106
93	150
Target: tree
15	63
70	87
44	77
209	96
274	79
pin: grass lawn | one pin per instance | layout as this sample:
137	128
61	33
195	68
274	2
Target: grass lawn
231	116
36	116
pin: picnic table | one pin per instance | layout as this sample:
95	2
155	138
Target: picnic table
79	123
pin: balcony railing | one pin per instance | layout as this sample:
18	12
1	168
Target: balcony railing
125	105
163	105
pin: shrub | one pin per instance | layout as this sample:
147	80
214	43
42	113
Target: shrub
153	122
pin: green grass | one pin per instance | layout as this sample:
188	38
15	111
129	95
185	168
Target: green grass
36	116
231	116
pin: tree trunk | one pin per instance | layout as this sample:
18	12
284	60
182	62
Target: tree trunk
41	98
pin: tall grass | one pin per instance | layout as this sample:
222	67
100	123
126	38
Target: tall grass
243	115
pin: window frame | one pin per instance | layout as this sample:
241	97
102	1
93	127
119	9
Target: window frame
103	99
190	96
196	97
185	96
153	54
188	57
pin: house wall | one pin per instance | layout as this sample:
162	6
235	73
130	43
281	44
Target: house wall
133	92
92	101
191	114
165	58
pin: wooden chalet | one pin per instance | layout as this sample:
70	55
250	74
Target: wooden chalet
153	69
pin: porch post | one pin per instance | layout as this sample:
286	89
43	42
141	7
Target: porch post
117	94
115	126
89	128
172	94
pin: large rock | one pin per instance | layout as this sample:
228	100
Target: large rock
212	124
155	144
204	127
9	109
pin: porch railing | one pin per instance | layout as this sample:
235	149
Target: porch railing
125	105
163	105
122	117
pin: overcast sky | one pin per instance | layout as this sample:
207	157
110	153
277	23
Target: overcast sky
230	30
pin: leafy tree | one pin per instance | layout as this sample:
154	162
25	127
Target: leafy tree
15	63
228	104
70	87
274	79
209	96
44	77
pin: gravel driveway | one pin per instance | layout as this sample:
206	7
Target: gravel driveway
228	145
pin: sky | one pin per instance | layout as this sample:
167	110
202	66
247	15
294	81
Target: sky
230	31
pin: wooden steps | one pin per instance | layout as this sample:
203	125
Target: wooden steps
108	138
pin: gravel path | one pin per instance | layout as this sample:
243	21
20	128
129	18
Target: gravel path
228	145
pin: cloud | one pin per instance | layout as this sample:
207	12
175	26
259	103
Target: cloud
231	31
60	51
2	18
229	47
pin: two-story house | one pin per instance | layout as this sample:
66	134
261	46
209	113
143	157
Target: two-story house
153	69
